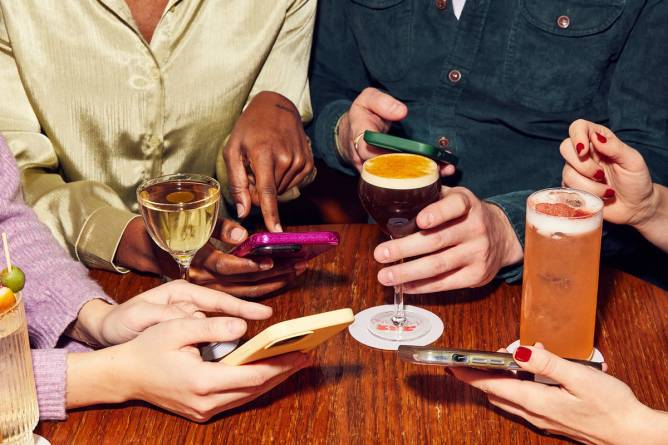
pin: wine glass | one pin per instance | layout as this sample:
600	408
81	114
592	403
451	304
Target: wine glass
393	189
180	212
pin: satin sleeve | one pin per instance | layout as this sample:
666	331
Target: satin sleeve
86	217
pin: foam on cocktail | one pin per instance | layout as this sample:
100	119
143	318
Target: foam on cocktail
400	171
580	215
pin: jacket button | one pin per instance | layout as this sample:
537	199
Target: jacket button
563	21
443	142
441	4
454	76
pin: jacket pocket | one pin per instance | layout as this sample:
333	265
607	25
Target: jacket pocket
383	30
559	51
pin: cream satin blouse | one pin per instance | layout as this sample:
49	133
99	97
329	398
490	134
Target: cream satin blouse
90	109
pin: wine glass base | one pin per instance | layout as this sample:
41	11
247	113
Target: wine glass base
382	325
359	330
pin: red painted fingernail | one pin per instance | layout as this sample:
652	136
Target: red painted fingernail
580	147
609	193
602	139
523	354
599	176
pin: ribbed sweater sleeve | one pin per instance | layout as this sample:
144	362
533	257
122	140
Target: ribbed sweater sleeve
56	286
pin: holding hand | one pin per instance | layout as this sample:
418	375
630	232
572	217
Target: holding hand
103	324
589	405
375	111
211	267
464	240
598	162
267	154
162	367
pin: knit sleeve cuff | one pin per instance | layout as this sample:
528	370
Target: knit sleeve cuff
51	314
50	369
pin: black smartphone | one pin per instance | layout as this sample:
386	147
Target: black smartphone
469	358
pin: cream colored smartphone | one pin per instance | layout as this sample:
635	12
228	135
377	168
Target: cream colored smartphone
300	334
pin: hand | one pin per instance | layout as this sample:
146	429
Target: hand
162	367
211	267
465	242
375	111
269	140
109	324
589	406
598	162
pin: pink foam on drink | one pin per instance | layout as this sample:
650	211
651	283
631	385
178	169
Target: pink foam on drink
564	211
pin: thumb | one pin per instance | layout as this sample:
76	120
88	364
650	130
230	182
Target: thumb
609	145
232	232
191	331
539	361
382	104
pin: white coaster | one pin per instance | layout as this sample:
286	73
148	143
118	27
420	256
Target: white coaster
596	357
39	440
360	331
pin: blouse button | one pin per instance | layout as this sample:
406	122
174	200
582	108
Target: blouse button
441	4
563	21
454	76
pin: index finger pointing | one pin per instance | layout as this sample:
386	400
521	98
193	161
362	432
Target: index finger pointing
238	180
265	186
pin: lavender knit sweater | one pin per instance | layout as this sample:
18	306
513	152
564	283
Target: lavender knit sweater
56	288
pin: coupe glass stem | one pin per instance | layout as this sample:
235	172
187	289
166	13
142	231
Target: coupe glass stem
399	317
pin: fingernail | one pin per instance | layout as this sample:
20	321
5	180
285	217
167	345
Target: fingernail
199	315
429	220
236	326
386	253
237	234
599	176
266	264
278	228
523	354
240	210
580	147
609	193
386	277
602	139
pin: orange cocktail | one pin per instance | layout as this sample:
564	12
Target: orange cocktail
561	265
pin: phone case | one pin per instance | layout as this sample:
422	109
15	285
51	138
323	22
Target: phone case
299	334
312	243
469	358
402	145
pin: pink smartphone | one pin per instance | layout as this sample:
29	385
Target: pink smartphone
290	245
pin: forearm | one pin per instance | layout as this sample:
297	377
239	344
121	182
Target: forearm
642	425
654	227
96	377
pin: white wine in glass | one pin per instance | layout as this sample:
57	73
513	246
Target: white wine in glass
180	212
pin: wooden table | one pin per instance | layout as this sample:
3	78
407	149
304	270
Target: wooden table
353	394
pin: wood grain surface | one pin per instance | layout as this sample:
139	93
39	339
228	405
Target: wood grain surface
353	394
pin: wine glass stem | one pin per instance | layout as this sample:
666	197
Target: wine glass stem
184	267
399	317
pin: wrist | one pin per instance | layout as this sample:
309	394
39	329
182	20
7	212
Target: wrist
96	377
512	248
642	424
87	327
136	249
653	210
341	136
